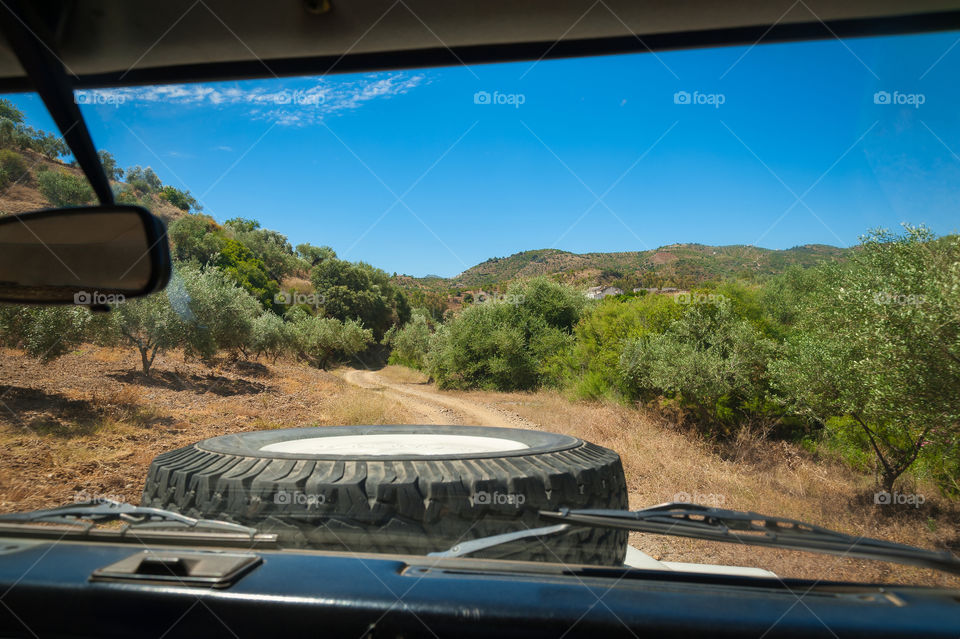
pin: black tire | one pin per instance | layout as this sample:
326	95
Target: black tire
410	504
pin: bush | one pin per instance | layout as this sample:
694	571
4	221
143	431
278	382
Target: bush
320	340
45	332
361	292
270	336
143	180
271	247
195	238
411	343
64	189
591	365
12	167
180	199
248	271
503	344
709	361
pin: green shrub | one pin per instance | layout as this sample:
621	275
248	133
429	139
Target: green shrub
64	189
195	238
590	367
12	167
411	343
504	343
247	270
218	313
361	292
180	199
321	340
270	336
713	363
45	332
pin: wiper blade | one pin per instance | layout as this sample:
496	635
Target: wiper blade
754	529
133	516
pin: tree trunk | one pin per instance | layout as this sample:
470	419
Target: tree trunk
146	360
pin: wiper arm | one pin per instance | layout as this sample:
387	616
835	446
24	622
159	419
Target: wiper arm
134	516
754	529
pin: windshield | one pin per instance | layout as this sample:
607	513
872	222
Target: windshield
728	277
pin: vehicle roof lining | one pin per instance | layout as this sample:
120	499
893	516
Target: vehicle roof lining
116	43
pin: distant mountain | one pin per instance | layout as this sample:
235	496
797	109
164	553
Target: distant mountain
679	265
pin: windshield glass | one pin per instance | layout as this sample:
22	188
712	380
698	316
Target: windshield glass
734	273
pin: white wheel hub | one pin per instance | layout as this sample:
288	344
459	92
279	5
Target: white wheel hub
396	444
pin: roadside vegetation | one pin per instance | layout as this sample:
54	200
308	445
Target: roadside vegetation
858	359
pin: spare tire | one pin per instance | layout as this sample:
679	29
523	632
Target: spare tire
399	489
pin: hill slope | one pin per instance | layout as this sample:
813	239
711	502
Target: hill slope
680	265
23	196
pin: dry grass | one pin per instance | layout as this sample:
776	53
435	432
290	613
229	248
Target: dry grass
403	375
89	423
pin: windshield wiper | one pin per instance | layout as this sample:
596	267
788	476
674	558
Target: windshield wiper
133	516
732	526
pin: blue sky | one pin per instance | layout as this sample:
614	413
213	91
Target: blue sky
432	171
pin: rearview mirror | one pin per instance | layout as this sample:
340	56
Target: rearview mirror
88	256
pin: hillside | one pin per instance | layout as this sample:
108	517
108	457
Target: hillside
24	195
679	265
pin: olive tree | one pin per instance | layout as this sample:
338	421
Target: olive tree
410	343
45	332
319	340
149	324
217	313
270	336
878	341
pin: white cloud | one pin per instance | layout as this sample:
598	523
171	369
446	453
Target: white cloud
295	103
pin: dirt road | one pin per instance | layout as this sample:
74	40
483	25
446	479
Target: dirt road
436	407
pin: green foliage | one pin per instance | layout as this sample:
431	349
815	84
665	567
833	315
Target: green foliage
591	365
45	332
411	343
50	145
321	340
110	167
502	344
12	167
218	313
64	189
558	305
270	336
271	247
195	238
247	270
180	199
313	255
360	291
878	340
710	361
143	180
149	324
9	111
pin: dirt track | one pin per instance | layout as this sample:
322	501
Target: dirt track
437	407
